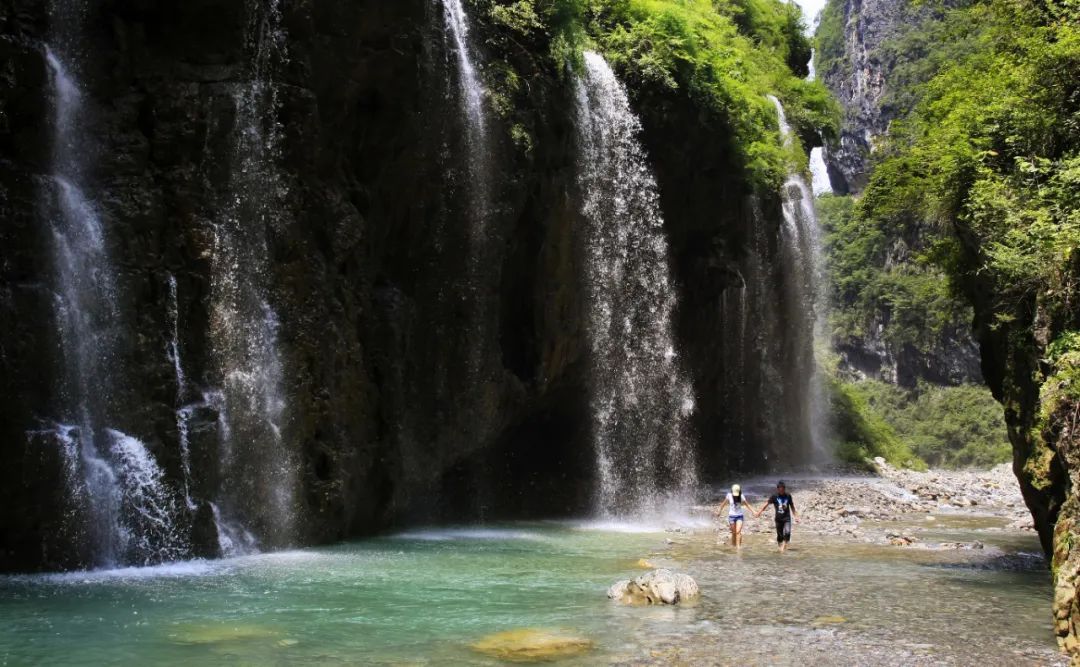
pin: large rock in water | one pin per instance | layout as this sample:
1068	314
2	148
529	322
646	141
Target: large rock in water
530	645
656	587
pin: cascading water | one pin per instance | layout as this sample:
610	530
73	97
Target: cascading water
472	92
123	511
258	470
640	400
476	286
801	239
819	172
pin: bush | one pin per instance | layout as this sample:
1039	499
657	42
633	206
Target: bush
946	427
861	432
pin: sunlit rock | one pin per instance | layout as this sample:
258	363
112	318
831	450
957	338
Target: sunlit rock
656	587
532	645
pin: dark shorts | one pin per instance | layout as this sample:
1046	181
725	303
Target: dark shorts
783	530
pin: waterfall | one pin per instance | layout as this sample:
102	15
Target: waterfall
641	401
477	285
150	530
802	243
819	173
183	412
258	469
123	510
471	94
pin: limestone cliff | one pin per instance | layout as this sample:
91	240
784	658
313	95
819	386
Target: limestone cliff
418	387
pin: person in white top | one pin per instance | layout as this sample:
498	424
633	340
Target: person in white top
734	502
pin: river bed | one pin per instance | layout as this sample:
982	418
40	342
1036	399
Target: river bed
425	596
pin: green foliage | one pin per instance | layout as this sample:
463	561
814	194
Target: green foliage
1063	384
886	275
948	427
829	40
726	56
945	427
992	149
862	433
520	17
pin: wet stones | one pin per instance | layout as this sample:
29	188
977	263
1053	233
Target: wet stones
657	587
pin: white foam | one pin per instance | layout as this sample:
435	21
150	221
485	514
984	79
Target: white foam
178	570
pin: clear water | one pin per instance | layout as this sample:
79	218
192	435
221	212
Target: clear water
424	596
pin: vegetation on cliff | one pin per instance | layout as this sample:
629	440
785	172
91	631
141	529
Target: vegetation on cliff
884	275
724	56
943	427
992	152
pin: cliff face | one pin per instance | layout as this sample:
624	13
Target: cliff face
1026	331
418	387
366	277
870	55
852	64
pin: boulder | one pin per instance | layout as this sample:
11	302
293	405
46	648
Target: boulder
657	587
532	645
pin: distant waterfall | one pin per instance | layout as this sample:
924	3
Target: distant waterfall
477	285
122	509
801	240
819	172
472	92
641	401
258	469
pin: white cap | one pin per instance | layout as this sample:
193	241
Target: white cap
735	489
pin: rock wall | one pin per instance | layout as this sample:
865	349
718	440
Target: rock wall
859	47
1034	383
418	389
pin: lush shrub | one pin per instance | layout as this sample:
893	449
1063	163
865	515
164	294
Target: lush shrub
861	432
949	427
886	275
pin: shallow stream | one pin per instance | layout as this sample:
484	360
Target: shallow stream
424	597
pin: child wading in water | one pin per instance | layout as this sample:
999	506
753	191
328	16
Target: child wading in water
734	502
785	510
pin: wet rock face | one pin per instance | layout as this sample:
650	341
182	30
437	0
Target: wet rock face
366	258
418	386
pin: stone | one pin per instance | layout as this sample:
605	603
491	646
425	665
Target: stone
532	645
660	586
221	634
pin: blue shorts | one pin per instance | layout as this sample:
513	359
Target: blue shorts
732	520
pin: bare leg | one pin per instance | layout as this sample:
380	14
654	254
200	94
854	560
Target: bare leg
731	525
737	534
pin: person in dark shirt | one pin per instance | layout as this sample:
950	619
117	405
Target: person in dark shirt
785	512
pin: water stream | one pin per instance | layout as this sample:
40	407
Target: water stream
641	400
423	597
802	244
120	508
257	465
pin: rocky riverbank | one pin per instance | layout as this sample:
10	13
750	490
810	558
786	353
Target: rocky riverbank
847	504
898	568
